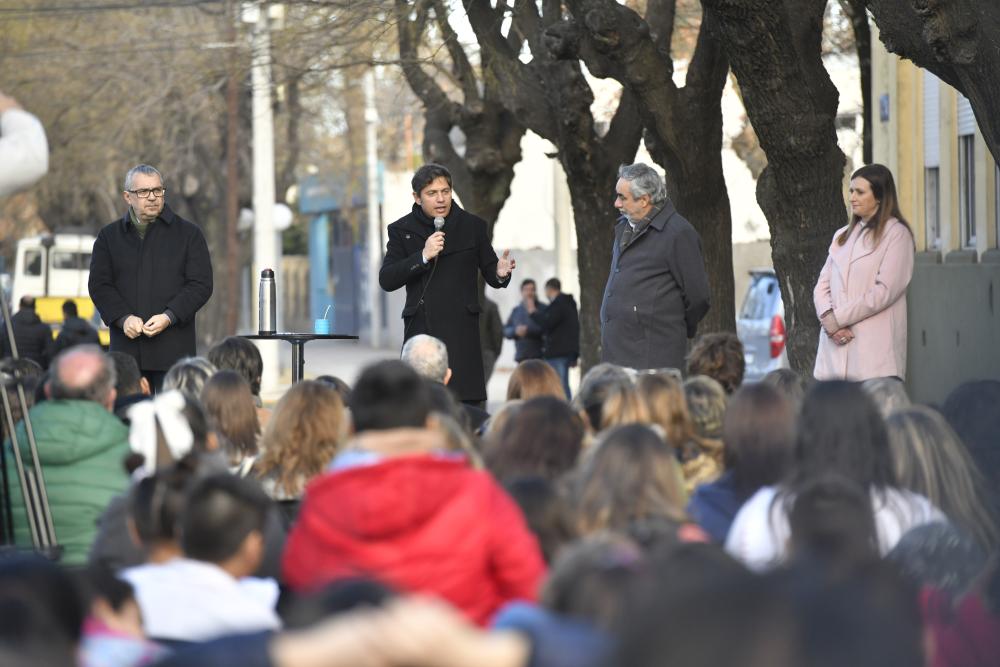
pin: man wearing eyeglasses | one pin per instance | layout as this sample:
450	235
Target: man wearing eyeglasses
150	273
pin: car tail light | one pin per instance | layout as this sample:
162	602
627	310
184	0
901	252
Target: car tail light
777	335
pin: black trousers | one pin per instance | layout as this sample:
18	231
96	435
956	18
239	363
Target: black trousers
155	380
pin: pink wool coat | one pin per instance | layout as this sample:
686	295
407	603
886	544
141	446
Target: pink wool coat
865	285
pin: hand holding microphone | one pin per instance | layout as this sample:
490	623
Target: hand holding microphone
435	242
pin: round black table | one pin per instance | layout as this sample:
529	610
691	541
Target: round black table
298	341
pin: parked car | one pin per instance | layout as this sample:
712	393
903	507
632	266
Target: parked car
761	326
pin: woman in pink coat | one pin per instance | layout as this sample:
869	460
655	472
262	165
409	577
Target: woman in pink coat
860	297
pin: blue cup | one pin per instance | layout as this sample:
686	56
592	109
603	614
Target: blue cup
321	326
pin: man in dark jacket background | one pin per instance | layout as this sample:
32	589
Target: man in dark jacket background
657	289
150	273
524	331
32	336
560	324
75	330
440	275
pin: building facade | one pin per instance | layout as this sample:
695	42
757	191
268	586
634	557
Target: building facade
949	188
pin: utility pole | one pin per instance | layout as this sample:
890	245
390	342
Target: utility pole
266	253
233	250
374	211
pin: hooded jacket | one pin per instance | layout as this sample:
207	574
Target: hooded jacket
81	448
422	523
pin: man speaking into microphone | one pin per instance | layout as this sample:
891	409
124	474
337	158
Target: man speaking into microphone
435	251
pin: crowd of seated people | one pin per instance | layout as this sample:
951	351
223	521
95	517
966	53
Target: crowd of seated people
678	517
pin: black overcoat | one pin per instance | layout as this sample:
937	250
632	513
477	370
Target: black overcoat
169	269
656	294
442	301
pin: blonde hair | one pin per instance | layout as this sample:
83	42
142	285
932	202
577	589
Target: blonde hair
631	475
623	406
666	404
303	435
534	377
930	459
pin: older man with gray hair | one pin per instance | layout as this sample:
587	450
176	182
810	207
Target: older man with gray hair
150	274
428	356
81	447
657	289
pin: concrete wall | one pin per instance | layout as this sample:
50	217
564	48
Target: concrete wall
954	328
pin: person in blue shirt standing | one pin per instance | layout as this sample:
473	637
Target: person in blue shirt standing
523	330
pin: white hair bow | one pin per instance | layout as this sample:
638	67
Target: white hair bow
167	411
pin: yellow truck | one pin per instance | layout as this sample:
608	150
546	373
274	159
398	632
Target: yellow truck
53	268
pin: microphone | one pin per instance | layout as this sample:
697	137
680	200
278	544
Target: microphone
438	224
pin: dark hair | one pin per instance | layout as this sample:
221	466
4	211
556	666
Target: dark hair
197	422
940	555
546	512
156	502
220	512
30	374
791	384
831	521
534	377
342	387
543	437
720	357
758	432
592	578
46	593
426	175
69	308
444	402
553	283
884	191
387	395
101	583
127	373
235	353
841	430
27	302
971	411
527	281
232	414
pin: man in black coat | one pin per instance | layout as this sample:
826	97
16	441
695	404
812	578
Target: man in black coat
150	273
657	289
440	275
560	324
32	336
75	330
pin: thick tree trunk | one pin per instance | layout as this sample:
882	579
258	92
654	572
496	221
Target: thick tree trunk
483	171
683	125
552	98
957	40
775	53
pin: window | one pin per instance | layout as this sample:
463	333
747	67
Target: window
33	263
758	302
71	260
932	207
967	188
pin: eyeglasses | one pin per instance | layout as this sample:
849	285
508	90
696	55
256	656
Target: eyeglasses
143	193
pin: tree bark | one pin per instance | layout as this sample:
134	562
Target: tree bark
683	125
958	41
552	98
774	50
483	171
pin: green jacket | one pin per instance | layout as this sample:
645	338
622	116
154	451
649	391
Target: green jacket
81	448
